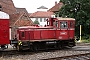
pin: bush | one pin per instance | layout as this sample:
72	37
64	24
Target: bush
36	22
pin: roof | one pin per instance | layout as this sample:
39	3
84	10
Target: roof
30	13
15	19
41	14
56	7
42	7
22	10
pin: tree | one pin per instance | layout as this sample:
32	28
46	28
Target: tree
78	9
36	22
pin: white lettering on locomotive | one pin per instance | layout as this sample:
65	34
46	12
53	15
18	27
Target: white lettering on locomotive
63	33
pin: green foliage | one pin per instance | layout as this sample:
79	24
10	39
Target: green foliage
36	22
85	41
78	9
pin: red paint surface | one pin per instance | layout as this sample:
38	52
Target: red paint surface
51	34
4	31
44	34
62	34
71	33
37	34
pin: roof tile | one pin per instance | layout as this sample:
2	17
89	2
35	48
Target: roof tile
16	17
41	14
56	7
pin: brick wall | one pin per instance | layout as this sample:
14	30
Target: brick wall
7	6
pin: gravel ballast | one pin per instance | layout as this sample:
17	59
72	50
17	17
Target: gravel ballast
43	55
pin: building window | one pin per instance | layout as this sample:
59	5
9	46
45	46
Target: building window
23	34
40	19
0	8
36	18
44	19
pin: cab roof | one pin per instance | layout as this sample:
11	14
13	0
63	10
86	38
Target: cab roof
59	18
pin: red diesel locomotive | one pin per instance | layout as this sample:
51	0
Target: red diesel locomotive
58	33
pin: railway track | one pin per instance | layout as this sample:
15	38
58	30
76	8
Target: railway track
62	54
85	56
41	55
15	52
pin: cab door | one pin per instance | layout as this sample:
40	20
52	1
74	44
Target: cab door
63	32
71	29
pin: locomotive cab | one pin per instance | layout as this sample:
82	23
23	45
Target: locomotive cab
65	29
66	26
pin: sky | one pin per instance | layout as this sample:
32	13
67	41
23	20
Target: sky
32	5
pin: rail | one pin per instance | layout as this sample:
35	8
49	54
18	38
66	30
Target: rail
85	56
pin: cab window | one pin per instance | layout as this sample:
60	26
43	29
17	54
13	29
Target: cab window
71	24
55	23
63	24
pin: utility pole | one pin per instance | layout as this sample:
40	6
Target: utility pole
80	33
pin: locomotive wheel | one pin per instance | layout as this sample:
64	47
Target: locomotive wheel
59	46
35	49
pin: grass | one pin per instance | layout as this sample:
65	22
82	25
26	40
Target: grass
84	41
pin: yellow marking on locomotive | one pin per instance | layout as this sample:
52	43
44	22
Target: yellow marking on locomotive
19	43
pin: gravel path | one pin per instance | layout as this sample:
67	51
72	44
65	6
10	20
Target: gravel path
43	55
